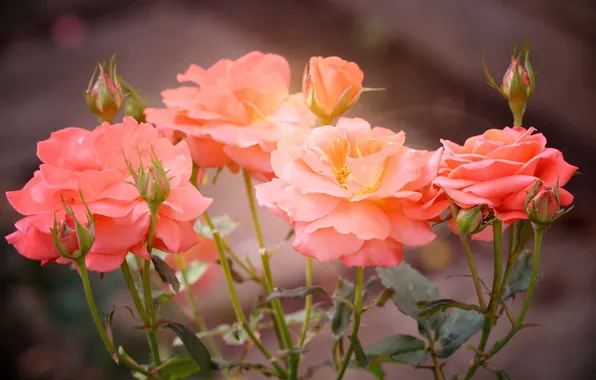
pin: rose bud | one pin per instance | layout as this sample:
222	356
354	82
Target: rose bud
331	86
469	221
543	207
104	95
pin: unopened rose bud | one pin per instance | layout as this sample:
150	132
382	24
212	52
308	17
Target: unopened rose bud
517	85
153	184
331	86
469	221
72	238
516	82
104	95
543	207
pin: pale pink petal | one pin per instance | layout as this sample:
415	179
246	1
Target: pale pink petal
361	219
380	253
207	153
252	158
325	244
409	231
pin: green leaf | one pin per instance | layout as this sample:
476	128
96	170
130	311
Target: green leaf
429	308
194	272
340	312
519	278
398	349
501	375
377	370
411	287
195	347
459	326
166	274
300	292
361	357
224	224
178	368
456	377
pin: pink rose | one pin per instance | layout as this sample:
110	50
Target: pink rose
499	167
235	113
353	193
93	163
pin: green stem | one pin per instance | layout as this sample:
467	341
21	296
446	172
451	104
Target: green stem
512	238
518	109
538	233
307	303
356	325
147	296
199	320
465	240
513	255
134	293
278	313
99	323
437	369
234	296
496	289
93	307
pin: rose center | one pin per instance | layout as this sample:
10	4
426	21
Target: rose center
342	175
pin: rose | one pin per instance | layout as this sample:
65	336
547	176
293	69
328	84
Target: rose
498	169
235	113
331	86
353	193
92	164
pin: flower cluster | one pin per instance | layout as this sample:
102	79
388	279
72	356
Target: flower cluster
351	191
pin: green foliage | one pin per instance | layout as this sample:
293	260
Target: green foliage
428	309
340	312
195	347
519	278
398	349
410	288
459	326
179	367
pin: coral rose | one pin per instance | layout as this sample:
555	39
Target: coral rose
331	86
235	113
353	193
498	169
92	163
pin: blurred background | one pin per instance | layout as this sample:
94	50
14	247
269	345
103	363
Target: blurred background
425	53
